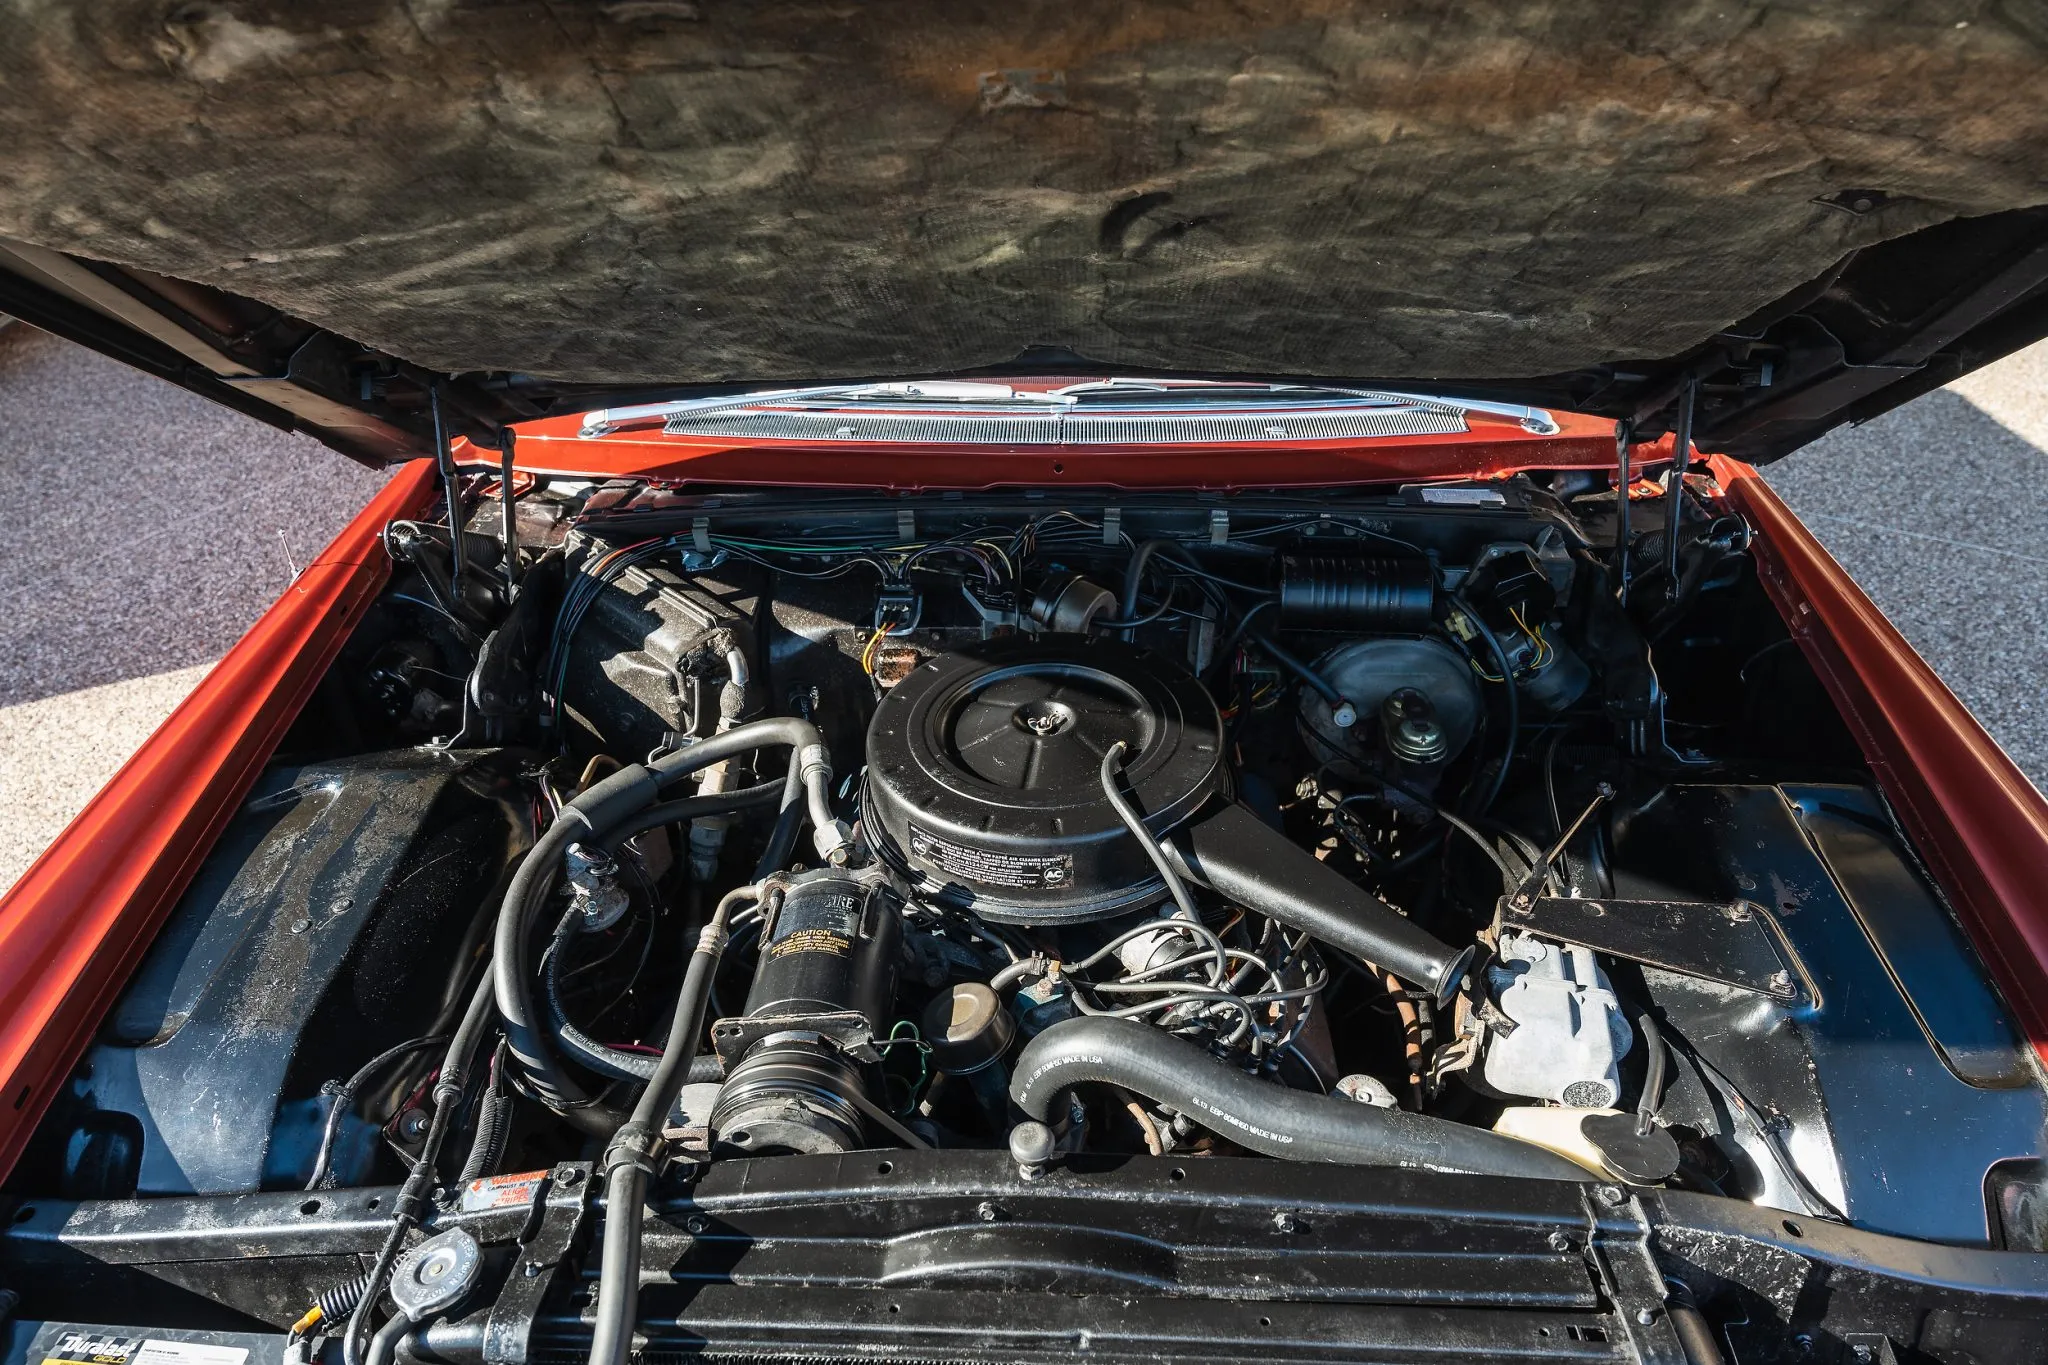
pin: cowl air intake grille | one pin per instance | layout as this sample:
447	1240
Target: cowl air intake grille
1131	428
951	428
796	1355
1068	428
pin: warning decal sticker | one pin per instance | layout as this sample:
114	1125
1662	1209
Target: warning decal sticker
991	867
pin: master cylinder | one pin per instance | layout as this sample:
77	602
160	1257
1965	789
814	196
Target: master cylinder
1559	1033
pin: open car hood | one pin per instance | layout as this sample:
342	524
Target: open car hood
1816	211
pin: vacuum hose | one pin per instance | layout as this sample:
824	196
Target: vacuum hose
589	818
1259	1114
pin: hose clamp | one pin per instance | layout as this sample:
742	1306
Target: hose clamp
814	761
634	1145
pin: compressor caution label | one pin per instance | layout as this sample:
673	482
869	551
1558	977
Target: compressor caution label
817	920
991	867
501	1191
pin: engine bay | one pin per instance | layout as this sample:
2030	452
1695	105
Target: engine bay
1410	828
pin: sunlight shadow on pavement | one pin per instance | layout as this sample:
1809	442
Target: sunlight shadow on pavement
1938	511
148	527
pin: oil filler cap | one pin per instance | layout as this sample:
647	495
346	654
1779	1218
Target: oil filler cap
437	1274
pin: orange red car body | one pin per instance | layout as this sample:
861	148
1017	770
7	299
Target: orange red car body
73	928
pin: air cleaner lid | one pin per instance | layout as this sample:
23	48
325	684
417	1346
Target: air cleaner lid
984	774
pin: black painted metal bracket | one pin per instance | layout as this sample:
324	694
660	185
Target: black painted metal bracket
1737	944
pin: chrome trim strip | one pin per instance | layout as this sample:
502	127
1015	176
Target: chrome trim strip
969	412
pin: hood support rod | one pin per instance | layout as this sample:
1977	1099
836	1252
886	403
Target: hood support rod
505	443
451	490
1624	437
1674	492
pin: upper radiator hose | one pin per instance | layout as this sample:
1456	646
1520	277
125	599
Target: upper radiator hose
1260	1114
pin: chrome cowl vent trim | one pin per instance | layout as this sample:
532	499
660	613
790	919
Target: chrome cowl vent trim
1056	427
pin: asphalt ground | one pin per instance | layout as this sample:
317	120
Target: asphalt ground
145	529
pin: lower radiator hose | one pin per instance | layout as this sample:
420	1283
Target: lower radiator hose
1260	1114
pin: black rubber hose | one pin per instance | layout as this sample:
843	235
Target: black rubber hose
635	1151
791	732
587	818
810	771
689	808
1514	705
1126	626
410	1208
1695	1335
1261	1114
581	1048
1316	681
1656	1060
386	1341
511	970
1134	576
781	841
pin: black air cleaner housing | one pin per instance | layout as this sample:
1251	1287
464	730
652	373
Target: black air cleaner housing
984	774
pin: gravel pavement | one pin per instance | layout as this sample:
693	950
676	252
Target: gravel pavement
148	529
152	527
1939	510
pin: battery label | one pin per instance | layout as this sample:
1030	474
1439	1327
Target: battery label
989	867
95	1348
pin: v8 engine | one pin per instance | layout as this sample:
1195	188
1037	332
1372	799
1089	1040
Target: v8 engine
1369	828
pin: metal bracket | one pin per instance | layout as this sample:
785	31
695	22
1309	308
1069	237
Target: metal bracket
1674	491
1650	736
1739	944
1526	893
1112	525
1219	526
700	534
847	1030
1624	476
563	1205
1620	1253
906	524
